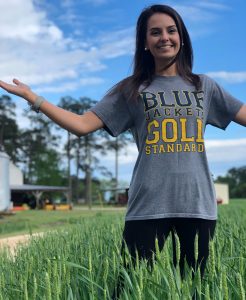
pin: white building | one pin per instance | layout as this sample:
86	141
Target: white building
15	175
222	193
12	184
4	182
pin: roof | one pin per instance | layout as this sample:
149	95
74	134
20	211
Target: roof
114	189
29	187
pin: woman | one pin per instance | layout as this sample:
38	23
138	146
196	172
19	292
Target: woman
166	107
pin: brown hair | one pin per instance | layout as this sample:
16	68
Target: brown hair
144	65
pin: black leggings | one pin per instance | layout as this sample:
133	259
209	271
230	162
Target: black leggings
140	235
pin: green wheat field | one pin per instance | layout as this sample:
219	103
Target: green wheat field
82	261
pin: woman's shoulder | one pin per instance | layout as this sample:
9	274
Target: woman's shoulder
121	89
203	76
126	80
206	80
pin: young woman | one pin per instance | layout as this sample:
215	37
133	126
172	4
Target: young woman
167	107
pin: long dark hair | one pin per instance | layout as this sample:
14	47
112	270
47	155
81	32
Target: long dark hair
144	65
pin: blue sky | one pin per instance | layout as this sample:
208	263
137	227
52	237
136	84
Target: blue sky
83	47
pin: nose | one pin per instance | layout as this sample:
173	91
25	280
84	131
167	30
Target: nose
164	36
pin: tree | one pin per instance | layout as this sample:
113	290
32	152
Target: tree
42	162
83	149
68	103
236	179
9	130
117	144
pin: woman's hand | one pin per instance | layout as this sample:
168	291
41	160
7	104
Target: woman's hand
18	88
77	124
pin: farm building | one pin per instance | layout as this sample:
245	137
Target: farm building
222	193
4	182
15	175
13	191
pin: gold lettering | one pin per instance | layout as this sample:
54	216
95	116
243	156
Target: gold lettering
155	147
186	148
164	130
170	147
199	131
155	133
184	137
200	147
193	147
178	147
147	150
162	149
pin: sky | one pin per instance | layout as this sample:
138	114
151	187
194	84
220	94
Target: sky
83	47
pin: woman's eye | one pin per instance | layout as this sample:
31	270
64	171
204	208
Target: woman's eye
172	30
155	32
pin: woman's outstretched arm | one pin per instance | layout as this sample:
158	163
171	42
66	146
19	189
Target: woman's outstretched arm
240	117
77	124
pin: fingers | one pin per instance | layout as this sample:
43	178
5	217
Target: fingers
16	81
13	89
7	86
18	88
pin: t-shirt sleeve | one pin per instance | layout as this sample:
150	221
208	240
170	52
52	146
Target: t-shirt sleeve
223	107
114	112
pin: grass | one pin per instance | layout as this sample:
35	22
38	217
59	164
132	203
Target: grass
31	221
83	261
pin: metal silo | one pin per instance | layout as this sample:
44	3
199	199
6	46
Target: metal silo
4	182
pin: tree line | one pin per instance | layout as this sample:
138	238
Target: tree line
43	156
236	180
46	159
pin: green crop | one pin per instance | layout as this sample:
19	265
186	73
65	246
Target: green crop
83	262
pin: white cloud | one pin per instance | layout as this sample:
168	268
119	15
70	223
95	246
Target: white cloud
129	155
22	120
225	143
35	51
199	16
229	150
230	77
194	13
212	5
225	151
117	43
200	11
222	155
70	86
14	23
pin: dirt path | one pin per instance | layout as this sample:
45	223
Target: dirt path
14	241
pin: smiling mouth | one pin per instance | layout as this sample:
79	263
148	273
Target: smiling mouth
165	47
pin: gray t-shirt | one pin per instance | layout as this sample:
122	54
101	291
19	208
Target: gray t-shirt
171	177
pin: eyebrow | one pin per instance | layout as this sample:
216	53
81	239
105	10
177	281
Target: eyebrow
168	27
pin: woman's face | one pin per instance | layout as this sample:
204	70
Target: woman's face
162	38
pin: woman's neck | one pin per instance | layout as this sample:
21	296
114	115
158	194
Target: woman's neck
171	71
